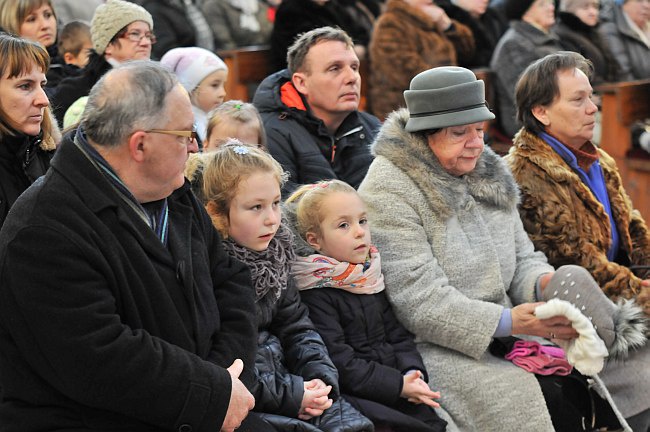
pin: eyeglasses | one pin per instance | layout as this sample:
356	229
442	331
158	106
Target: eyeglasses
189	135
136	36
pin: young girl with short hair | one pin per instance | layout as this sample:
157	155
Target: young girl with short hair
297	384
234	119
340	280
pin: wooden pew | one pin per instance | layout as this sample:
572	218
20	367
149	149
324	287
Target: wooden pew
248	66
622	105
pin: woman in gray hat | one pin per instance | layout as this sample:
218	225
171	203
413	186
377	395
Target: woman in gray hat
459	267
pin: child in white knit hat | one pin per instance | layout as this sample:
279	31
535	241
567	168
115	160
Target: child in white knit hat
204	75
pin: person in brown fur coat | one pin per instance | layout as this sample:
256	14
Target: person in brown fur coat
574	206
411	36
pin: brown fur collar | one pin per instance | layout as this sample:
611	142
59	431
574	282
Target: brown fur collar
566	221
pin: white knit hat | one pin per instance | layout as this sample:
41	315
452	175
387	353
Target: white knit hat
112	17
621	325
192	64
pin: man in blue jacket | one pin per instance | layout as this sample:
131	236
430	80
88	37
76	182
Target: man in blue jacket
310	111
119	308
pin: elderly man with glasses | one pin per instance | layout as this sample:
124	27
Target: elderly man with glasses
119	308
120	31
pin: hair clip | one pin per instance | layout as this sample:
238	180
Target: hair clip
321	185
238	106
240	149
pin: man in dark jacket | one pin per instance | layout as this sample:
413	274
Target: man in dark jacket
119	308
310	112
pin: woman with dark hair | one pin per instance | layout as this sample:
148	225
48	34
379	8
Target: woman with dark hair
27	135
574	206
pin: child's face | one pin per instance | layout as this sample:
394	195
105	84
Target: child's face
345	233
211	91
255	213
248	133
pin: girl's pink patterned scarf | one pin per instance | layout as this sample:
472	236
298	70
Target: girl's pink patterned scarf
319	271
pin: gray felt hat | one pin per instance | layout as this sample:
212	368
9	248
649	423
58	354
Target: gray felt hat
445	96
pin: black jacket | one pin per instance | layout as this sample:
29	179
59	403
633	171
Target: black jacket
371	350
72	88
304	147
577	36
22	161
172	27
486	31
102	327
294	17
368	345
290	352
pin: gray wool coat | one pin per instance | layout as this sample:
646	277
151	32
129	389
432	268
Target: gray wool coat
520	46
454	254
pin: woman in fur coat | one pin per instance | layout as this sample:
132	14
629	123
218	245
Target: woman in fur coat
574	206
459	268
409	37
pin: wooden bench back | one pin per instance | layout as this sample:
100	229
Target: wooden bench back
623	104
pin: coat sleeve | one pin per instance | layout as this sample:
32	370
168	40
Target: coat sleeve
389	44
366	379
512	55
463	40
425	302
217	18
236	301
69	318
279	143
617	46
407	355
305	351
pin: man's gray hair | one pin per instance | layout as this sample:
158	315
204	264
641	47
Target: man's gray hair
128	98
297	52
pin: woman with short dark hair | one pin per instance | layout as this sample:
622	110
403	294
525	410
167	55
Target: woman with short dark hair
574	206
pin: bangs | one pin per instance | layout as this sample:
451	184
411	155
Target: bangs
25	7
19	56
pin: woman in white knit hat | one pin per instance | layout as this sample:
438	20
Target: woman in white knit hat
120	31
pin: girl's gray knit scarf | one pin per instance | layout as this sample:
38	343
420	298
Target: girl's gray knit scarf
270	267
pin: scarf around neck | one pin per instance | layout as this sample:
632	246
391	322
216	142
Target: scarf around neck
270	267
319	271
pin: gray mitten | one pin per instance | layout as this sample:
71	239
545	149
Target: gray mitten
622	325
